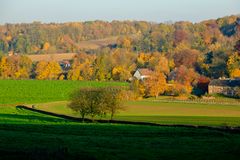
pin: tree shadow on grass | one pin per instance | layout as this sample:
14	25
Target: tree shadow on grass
31	118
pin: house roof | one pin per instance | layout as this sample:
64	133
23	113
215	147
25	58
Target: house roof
145	71
225	82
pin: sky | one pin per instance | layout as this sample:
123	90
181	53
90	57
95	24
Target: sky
46	11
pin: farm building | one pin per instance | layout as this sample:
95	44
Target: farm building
142	73
226	87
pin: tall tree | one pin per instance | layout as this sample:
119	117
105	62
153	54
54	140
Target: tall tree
156	84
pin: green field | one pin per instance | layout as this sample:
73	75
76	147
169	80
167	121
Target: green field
25	134
52	95
29	135
32	91
165	113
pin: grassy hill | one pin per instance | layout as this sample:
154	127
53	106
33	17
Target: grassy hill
28	135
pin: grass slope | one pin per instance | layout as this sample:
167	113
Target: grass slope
25	135
166	113
32	91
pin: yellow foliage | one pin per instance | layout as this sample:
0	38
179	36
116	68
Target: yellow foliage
46	46
4	67
235	73
143	58
171	64
117	70
21	73
233	65
9	38
215	47
48	70
156	84
163	65
81	71
121	73
126	43
61	77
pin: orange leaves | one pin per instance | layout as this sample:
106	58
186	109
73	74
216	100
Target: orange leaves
184	75
235	73
46	46
162	65
142	59
156	84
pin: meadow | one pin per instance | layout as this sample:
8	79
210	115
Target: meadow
164	112
34	91
30	135
52	96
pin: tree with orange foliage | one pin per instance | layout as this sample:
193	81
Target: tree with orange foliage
40	70
184	76
162	65
142	60
156	84
48	70
46	46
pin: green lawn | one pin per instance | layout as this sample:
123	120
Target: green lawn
25	134
32	91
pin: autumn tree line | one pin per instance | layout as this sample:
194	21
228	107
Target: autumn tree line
37	37
182	56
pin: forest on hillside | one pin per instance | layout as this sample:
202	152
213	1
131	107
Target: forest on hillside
36	38
184	54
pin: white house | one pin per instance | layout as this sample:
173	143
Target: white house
142	73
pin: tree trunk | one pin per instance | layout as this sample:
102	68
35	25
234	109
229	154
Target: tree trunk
83	115
111	116
92	118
